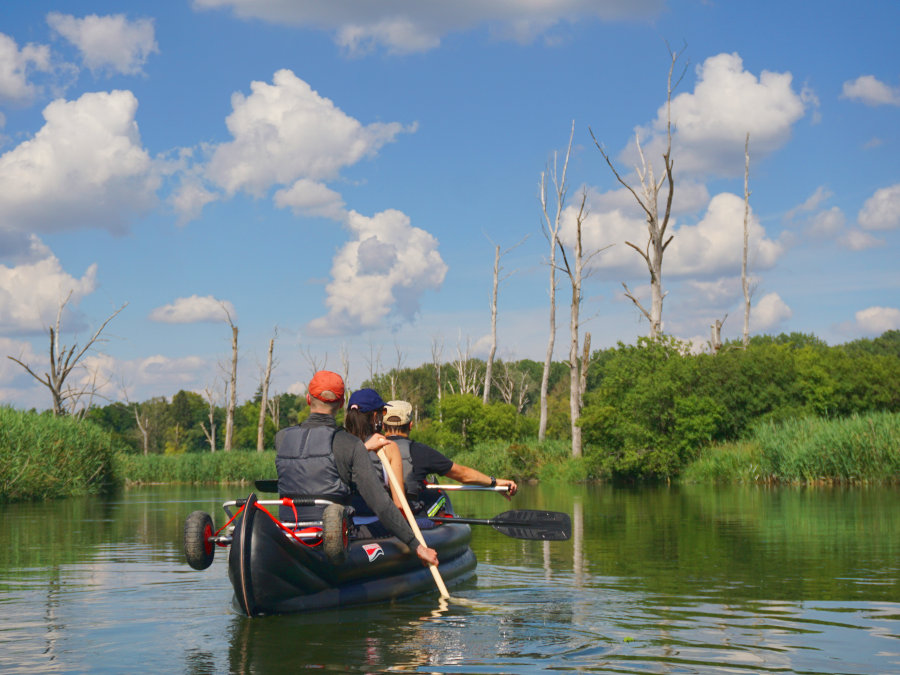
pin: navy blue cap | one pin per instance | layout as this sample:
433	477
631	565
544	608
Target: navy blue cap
366	400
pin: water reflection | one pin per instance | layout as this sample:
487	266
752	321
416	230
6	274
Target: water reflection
689	579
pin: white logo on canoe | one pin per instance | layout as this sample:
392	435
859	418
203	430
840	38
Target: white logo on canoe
373	551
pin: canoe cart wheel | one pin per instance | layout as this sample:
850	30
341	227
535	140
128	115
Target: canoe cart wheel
199	548
336	532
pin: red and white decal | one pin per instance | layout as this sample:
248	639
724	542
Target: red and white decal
373	551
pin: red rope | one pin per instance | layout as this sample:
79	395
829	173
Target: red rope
291	532
237	513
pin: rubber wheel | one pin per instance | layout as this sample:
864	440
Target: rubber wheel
198	549
336	533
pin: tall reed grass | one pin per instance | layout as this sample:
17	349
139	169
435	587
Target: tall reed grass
856	449
237	466
44	457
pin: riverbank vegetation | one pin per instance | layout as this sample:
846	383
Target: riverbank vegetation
42	456
787	408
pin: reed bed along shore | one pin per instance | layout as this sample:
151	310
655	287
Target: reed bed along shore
44	457
856	449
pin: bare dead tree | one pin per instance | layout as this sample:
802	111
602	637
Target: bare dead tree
345	363
264	401
314	361
437	358
373	360
657	242
745	280
575	270
274	408
142	419
63	360
467	375
551	227
512	385
394	375
232	387
489	364
715	338
210	433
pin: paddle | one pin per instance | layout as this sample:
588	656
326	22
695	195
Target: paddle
411	519
525	524
266	485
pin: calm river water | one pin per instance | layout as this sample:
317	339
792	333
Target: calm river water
655	580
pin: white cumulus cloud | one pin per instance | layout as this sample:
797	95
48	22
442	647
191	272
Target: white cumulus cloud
285	131
871	91
15	65
404	26
881	211
857	240
194	309
108	43
877	320
30	293
711	123
311	198
768	312
712	246
379	276
84	168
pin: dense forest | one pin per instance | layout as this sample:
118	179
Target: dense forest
649	408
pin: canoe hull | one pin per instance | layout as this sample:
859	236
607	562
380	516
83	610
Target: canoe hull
274	574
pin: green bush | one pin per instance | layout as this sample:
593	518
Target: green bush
43	457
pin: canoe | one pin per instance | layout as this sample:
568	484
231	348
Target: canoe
274	572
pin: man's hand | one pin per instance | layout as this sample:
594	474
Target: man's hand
428	556
511	484
376	442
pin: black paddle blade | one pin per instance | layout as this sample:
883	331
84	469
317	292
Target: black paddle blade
267	485
540	525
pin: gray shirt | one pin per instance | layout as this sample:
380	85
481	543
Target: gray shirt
355	468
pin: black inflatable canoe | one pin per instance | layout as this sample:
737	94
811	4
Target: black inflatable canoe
273	572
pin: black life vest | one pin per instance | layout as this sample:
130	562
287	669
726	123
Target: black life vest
305	464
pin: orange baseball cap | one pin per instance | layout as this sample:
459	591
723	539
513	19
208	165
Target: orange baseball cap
326	386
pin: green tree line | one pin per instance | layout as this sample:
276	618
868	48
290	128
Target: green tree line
650	408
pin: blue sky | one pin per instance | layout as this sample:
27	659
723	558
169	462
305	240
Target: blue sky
343	171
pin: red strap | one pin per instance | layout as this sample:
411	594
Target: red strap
229	523
288	530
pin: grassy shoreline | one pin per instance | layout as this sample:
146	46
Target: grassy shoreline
43	457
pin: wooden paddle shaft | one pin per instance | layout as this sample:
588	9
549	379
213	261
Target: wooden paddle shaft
411	519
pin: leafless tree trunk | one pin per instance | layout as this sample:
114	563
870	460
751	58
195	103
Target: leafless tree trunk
513	386
574	268
63	360
264	402
211	432
551	231
232	388
275	410
715	339
345	364
373	360
467	376
745	280
313	361
489	365
394	375
437	358
648	200
143	425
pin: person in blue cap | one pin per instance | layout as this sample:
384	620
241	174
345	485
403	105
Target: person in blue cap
363	419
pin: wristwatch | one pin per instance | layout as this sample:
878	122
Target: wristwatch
493	482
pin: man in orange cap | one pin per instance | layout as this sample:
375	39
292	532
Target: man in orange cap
316	458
